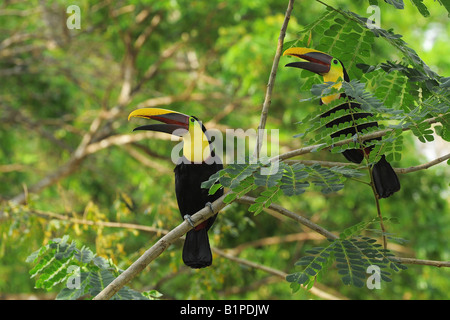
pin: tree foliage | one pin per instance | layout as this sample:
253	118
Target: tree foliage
88	197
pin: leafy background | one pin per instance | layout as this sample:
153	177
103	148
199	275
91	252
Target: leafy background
64	88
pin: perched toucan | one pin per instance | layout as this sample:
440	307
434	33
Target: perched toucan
332	70
196	165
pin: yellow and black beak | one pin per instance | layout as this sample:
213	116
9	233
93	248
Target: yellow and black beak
319	62
174	123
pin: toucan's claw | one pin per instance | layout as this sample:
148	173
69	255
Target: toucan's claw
189	220
209	205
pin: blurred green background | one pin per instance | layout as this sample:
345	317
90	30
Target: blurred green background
66	146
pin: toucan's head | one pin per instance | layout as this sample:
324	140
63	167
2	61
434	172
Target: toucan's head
196	147
321	63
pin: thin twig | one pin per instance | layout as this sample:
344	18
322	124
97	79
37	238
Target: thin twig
422	262
271	83
369	136
314	290
423	166
372	183
344	164
304	221
109	224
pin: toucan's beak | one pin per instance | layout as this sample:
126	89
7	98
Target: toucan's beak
173	121
319	62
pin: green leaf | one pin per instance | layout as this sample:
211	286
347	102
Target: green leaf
421	7
396	3
265	200
214	188
213	179
352	253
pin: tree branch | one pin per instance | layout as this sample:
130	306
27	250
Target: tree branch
159	247
302	220
397	170
423	166
273	74
280	274
320	291
373	135
200	216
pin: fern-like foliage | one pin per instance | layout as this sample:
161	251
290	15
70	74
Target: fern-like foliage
278	179
402	94
79	272
352	253
421	7
389	96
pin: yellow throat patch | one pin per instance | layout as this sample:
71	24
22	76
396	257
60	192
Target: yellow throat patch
196	146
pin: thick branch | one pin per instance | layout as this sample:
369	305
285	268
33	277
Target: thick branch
159	247
319	291
205	213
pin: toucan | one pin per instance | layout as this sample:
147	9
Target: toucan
195	166
332	70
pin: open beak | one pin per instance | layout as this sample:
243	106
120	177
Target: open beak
319	62
173	121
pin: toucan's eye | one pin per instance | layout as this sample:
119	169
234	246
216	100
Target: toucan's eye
192	120
335	61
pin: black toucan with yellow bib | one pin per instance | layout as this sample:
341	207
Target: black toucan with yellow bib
331	69
196	165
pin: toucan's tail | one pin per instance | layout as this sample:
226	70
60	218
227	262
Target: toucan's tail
385	180
196	249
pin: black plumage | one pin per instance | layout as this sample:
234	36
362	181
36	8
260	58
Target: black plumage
196	165
191	197
384	177
332	70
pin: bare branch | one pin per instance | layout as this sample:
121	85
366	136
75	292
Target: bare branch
185	96
273	74
307	223
148	31
123	139
433	263
12	167
108	224
423	166
68	168
318	290
373	135
159	247
200	216
282	275
268	241
146	161
153	69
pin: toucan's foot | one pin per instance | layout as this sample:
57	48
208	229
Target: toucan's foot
209	205
189	220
